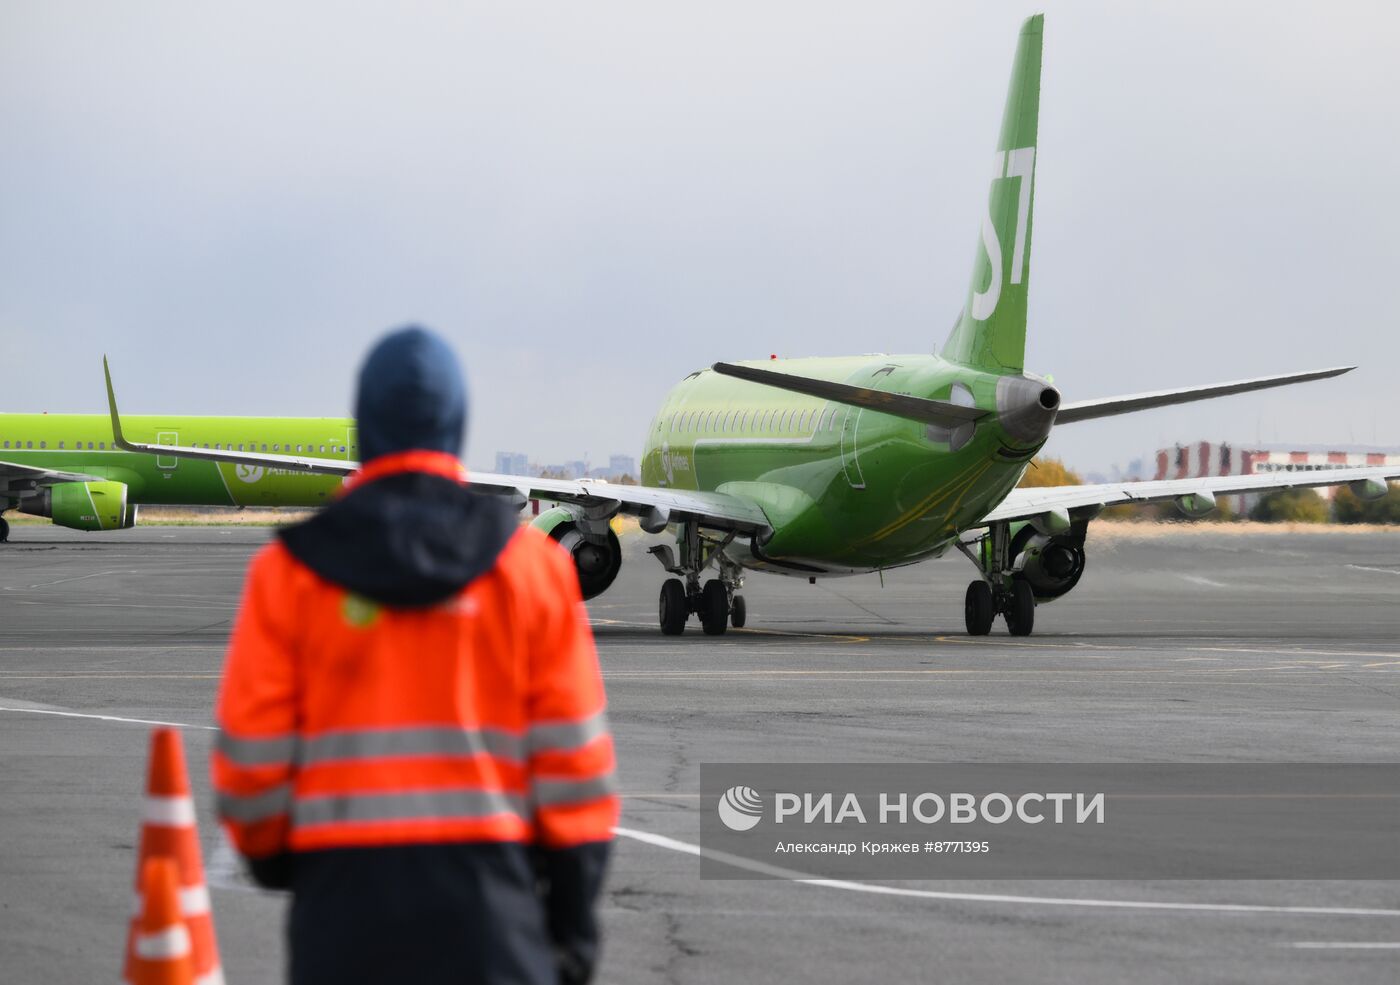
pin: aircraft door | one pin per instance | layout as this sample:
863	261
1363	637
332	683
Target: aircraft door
850	421
167	462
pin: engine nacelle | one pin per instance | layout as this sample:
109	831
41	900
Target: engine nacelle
594	547
83	505
1369	489
1197	504
1051	564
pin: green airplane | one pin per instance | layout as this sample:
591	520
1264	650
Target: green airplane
804	467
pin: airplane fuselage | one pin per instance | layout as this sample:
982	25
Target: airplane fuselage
82	443
847	489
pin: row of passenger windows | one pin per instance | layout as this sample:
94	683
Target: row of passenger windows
798	420
276	446
77	445
219	445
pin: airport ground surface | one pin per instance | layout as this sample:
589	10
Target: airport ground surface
1181	648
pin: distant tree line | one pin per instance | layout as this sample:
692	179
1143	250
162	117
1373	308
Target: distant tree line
1347	507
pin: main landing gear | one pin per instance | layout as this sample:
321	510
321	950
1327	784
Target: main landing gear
4	530
1000	591
717	603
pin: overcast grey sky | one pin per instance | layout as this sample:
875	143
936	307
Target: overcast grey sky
592	200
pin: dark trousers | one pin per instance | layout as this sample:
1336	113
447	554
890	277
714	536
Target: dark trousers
420	914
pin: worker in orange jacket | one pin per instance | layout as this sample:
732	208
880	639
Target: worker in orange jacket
411	722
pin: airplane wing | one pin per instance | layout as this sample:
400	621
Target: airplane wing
719	510
1088	410
16	476
1025	503
657	505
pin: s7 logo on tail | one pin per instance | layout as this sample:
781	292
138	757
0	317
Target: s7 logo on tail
1018	163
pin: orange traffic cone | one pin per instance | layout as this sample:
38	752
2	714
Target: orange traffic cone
168	829
161	953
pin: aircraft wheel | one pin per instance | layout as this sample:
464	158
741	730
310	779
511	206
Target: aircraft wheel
978	611
714	608
1020	608
674	611
738	612
4	530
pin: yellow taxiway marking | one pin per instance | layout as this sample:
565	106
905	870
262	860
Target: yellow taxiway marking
1166	644
840	637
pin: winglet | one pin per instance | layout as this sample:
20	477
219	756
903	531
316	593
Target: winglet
118	438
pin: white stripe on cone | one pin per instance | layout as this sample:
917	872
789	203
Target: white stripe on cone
194	901
215	977
172	942
172	812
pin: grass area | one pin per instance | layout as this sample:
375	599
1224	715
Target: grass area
183	516
1145	529
268	516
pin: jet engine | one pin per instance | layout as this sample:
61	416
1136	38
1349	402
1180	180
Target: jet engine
593	545
83	505
1051	563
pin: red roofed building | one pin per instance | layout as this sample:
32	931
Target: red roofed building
1202	458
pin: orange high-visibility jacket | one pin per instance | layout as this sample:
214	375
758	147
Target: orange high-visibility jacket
349	723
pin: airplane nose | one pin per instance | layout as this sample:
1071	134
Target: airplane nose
1026	407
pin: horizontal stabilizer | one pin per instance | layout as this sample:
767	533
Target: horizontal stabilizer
1088	410
938	412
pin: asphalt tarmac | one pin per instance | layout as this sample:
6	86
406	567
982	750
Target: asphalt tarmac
1175	648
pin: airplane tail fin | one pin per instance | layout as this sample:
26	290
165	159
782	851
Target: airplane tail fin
991	332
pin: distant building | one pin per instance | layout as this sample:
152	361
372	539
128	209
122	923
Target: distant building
1202	458
512	463
577	469
1134	471
517	463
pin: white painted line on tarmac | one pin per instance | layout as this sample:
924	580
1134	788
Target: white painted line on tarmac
1202	580
226	870
1382	571
65	581
107	718
1347	945
661	841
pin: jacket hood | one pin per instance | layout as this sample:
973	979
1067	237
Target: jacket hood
410	395
409	539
